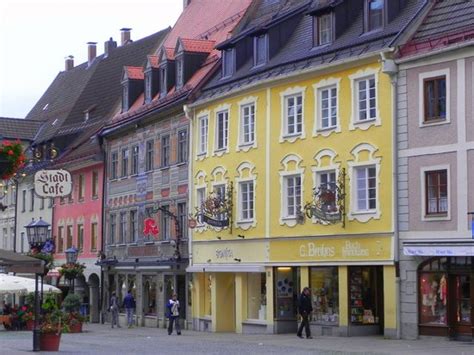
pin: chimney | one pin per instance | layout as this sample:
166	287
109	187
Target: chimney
69	64
125	35
91	52
109	46
186	3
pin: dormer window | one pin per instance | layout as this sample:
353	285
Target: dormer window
260	50
322	29
179	73
227	63
374	14
125	98
163	81
148	82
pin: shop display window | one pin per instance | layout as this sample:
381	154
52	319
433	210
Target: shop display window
463	299
365	291
122	290
324	285
256	296
149	295
286	293
434	294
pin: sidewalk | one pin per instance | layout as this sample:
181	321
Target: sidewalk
101	339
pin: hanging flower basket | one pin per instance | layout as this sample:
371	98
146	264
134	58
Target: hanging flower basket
12	158
72	271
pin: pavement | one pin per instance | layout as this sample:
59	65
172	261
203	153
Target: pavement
101	339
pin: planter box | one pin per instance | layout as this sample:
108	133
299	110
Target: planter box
76	328
50	341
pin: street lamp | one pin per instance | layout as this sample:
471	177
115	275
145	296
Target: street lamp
71	259
38	235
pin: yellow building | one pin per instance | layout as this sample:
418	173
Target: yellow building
292	185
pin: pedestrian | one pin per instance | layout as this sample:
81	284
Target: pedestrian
114	310
129	304
173	314
304	309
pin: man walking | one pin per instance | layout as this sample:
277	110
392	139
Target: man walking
114	310
129	304
304	309
173	314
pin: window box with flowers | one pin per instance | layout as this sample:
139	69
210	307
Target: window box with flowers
12	158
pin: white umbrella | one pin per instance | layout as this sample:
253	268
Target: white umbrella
25	283
8	286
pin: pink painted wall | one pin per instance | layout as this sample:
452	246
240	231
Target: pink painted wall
87	211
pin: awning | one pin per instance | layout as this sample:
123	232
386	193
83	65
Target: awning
27	283
438	248
225	268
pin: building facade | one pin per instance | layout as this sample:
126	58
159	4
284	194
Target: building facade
292	156
435	168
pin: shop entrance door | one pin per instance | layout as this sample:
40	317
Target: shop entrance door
461	305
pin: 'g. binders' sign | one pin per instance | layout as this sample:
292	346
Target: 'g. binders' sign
53	183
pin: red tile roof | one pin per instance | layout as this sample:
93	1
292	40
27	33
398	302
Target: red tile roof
197	45
135	73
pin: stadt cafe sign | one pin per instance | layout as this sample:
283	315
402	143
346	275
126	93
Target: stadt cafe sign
53	183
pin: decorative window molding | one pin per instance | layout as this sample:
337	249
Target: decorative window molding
421	97
291	166
284	96
355	123
245	174
318	88
202	135
220	151
354	213
244	104
424	216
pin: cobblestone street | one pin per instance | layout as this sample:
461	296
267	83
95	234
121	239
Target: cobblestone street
101	339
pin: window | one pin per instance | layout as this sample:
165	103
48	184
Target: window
23	201
123	227
94	231
133	226
294	114
148	79
149	159
292	195
22	244
42	203
182	146
60	245
113	228
125	97
165	223
246	200
69	237
260	50
435	99
227	62
327	185
163	80
32	199
124	162
183	219
366	99
366	188
200	198
165	151
113	165
80	236
81	188
222	129
135	160
328	107
247	124
219	191
203	131
95	184
256	296
322	27
179	73
365	294
324	286
436	185
375	11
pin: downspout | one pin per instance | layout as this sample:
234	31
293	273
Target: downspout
390	68
16	215
102	228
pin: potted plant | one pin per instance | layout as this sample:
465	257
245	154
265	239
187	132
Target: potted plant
12	158
74	319
52	325
29	319
71	271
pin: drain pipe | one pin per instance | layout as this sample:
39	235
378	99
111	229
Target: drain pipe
390	68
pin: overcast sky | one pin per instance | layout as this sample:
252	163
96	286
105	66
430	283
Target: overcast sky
36	36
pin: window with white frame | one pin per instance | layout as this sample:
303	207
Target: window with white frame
219	191
222	130
436	192
179	73
366	99
227	62
326	183
135	152
294	114
203	132
247	124
366	188
327	107
149	156
260	50
292	195
200	198
322	29
246	189
124	162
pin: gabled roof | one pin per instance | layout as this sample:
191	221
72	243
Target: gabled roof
153	61
133	73
18	128
195	45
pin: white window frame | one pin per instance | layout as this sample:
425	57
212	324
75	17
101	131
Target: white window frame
290	221
284	96
317	23
421	97
423	171
243	178
255	47
226	54
222	150
202	141
355	79
318	88
249	207
200	189
242	145
365	168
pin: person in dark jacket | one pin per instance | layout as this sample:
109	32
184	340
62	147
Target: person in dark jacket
304	309
129	305
173	314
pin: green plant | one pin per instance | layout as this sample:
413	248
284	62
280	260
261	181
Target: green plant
49	303
71	271
55	322
11	153
46	257
72	303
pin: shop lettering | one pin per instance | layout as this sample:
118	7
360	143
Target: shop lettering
53	183
224	253
311	250
354	249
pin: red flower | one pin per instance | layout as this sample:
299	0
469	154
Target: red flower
10	152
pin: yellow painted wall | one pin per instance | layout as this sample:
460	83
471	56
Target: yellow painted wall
304	277
223	302
390	297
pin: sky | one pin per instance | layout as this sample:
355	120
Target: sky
37	35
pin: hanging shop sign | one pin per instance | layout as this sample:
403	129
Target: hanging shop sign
53	183
216	210
328	204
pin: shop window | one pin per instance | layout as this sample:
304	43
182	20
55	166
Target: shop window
256	296
366	292
122	290
149	295
433	293
286	293
324	287
463	298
